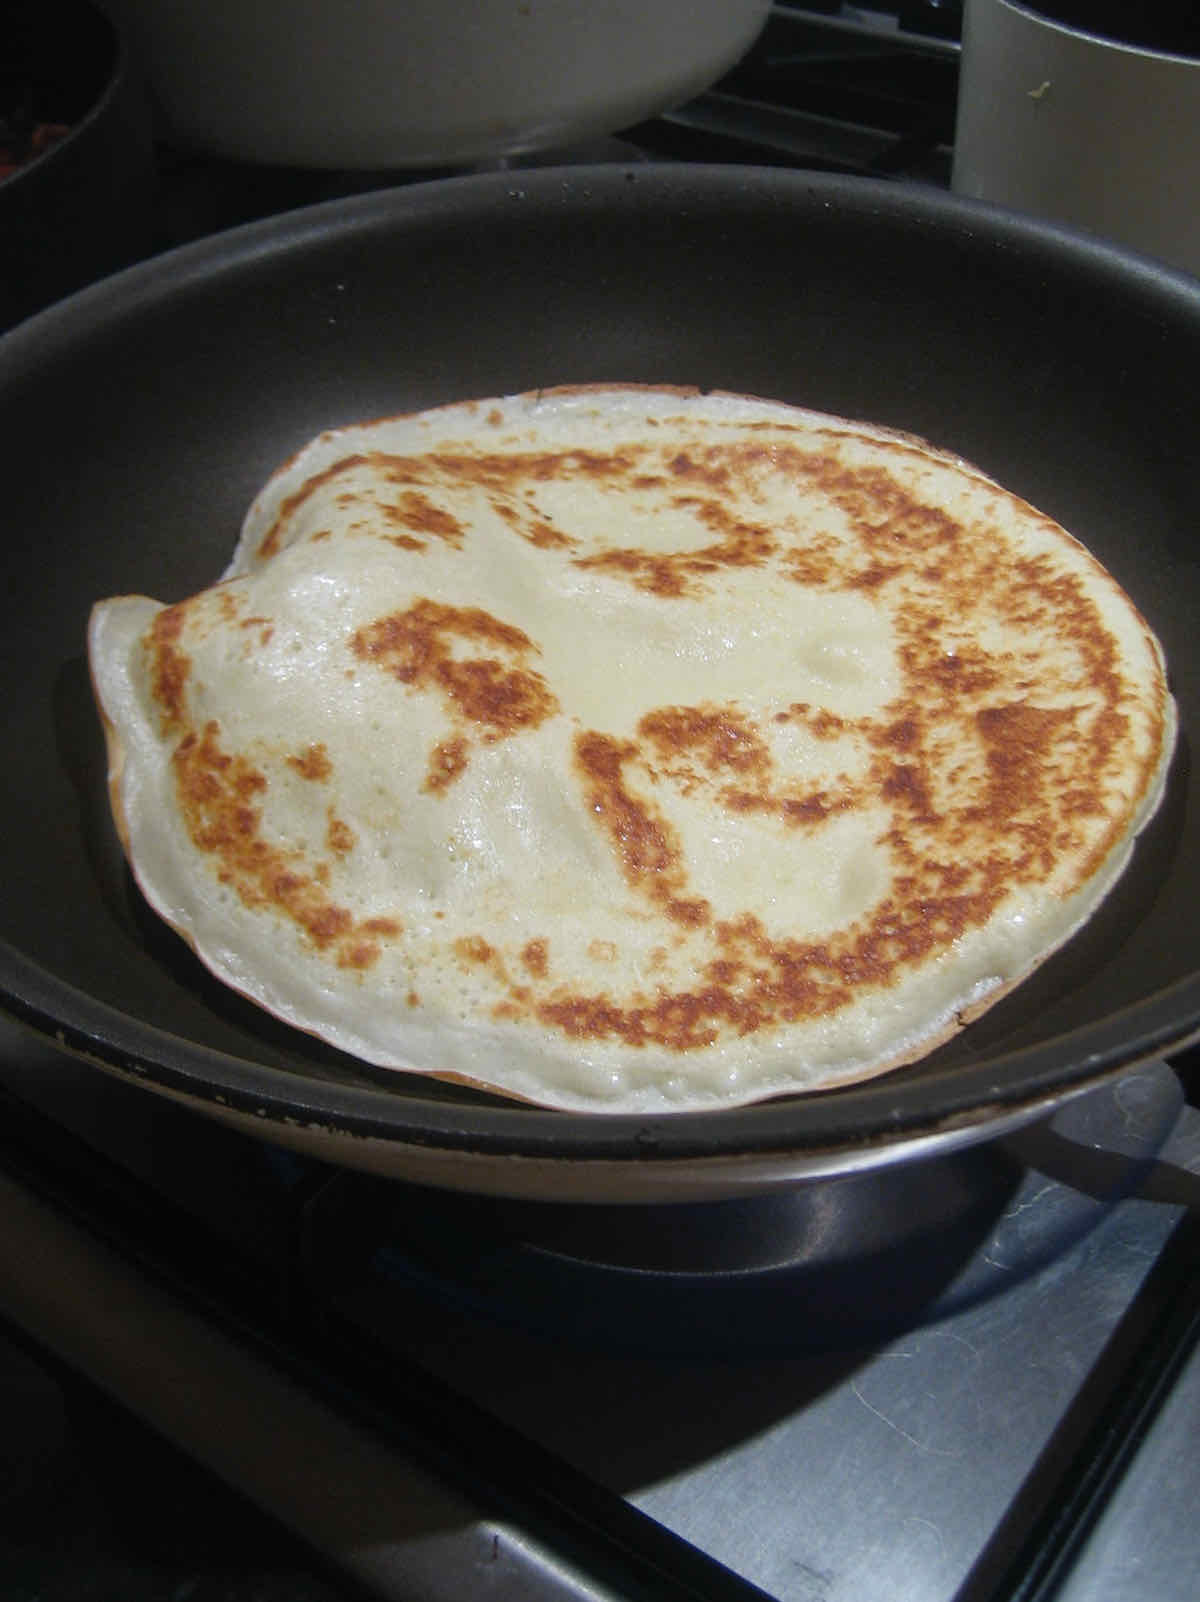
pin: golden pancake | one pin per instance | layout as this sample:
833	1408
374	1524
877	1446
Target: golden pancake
633	749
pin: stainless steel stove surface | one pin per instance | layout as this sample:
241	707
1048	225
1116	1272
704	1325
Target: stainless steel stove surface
232	1373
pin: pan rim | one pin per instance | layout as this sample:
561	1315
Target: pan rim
881	1110
886	1108
180	267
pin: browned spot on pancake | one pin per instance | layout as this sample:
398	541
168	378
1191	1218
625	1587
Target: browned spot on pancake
965	671
646	846
291	504
509	470
508	511
264	625
814	808
870	578
594	1018
689	1019
724	971
312	763
407	542
887	516
545	536
339	836
218	793
503	699
326	923
535	955
659	575
418	513
474	949
382	926
758	982
169	666
667	574
1018	739
359	954
906	786
904	734
740	543
825	725
720	739
216	789
447	762
816	564
499	696
719	747
711	465
709	474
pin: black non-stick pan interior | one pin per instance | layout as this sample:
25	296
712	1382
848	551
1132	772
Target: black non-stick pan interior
139	418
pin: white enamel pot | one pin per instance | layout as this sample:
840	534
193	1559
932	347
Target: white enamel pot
419	83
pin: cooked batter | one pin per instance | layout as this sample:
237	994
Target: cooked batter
633	749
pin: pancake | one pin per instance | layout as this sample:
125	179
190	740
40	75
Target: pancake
633	750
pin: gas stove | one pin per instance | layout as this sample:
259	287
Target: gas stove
234	1372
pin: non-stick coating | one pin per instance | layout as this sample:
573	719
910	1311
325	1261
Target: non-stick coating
139	418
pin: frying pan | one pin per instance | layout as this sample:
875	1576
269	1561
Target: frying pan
139	417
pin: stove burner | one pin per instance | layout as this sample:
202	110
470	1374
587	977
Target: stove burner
821	1265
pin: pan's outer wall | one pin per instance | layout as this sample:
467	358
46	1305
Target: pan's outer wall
140	418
